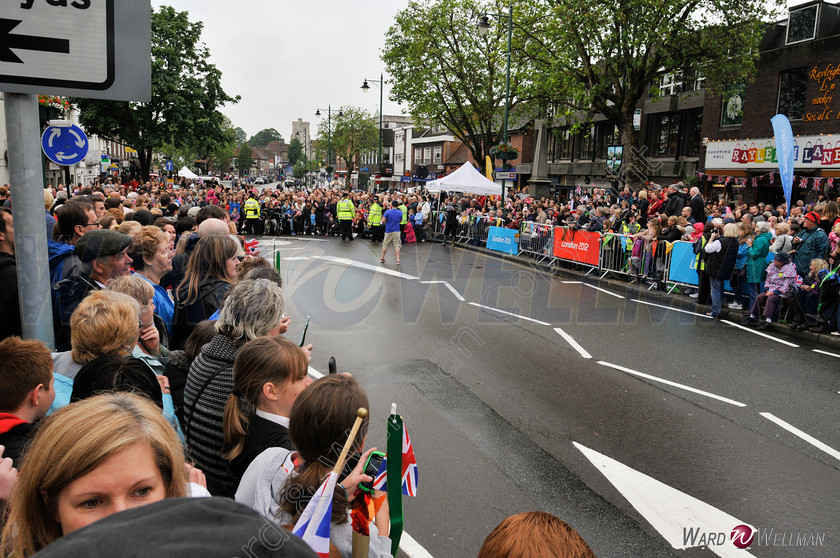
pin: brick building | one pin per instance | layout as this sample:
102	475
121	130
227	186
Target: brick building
798	75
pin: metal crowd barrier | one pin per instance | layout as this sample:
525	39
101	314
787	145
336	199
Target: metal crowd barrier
615	254
537	239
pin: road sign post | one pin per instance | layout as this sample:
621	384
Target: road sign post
27	182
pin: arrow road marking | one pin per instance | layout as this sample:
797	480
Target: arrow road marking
673	384
667	509
360	265
54	134
808	438
79	141
26	42
447	285
571	341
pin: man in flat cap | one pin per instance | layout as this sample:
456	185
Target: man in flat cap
104	256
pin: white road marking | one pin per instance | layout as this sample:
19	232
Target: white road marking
369	267
448	286
761	333
673	384
572	282
825	353
602	290
296	258
670	308
808	438
667	509
510	314
407	543
575	345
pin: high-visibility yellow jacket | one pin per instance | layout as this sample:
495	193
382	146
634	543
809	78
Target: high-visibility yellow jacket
345	210
252	209
404	210
375	214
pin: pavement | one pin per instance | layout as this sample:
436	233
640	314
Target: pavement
627	413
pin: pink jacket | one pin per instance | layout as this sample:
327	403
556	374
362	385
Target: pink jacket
781	280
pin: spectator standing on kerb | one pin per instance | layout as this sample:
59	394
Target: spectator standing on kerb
392	219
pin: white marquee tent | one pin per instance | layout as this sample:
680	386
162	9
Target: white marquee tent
187	173
465	180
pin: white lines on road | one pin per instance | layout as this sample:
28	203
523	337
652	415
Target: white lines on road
826	353
670	308
762	334
369	267
296	258
808	438
575	345
509	313
411	547
667	509
603	290
572	282
673	384
448	286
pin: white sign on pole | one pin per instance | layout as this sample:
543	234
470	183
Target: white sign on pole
85	48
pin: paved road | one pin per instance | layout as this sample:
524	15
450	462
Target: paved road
487	362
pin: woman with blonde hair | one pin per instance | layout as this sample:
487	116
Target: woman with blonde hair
94	458
268	375
211	272
722	254
152	255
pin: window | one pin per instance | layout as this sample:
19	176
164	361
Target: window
802	24
418	155
607	135
398	157
695	131
437	154
792	86
666	133
587	143
671	84
427	155
732	106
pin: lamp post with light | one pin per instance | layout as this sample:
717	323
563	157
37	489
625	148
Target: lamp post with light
483	28
366	88
329	136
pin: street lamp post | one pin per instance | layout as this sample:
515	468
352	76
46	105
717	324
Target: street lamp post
484	27
366	88
329	134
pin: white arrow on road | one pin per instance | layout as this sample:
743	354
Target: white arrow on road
54	134
79	141
667	509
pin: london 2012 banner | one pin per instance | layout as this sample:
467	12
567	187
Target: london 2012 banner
577	246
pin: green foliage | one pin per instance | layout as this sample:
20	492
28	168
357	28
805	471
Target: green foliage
186	96
264	137
245	157
241	136
448	74
299	169
354	133
295	151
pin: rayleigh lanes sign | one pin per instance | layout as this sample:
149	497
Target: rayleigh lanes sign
99	49
810	152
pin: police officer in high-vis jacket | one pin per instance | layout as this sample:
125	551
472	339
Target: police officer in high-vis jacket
252	214
375	220
345	210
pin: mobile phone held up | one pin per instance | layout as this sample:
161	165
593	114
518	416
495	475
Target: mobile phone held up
305	328
371	467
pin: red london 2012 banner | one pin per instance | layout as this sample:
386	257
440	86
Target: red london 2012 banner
577	246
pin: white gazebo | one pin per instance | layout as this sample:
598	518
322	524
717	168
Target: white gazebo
465	180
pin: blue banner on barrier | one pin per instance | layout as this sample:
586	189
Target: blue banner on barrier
502	240
683	264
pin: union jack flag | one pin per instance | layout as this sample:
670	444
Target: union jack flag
410	476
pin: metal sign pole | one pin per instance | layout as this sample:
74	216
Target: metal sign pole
27	181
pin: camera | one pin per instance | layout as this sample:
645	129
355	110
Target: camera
374	461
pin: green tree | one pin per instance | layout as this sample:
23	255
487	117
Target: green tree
354	133
295	151
245	157
241	136
299	169
264	137
448	74
600	56
186	96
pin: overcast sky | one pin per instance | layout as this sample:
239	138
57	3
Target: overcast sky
287	58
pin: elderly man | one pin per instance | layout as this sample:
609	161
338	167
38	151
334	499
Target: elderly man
809	244
698	209
104	256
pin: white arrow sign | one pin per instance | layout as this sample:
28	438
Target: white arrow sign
79	139
683	521
54	134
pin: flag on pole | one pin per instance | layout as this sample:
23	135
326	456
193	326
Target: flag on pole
313	526
394	447
410	475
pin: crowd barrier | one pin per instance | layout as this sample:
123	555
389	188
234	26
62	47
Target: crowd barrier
537	240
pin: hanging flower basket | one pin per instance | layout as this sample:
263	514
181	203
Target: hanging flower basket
54	101
504	151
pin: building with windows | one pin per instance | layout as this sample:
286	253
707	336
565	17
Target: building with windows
798	75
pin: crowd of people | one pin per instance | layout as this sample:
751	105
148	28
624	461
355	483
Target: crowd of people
172	392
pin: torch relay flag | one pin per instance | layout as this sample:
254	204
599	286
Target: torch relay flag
409	470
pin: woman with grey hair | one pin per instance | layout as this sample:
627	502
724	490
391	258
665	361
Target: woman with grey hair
254	308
